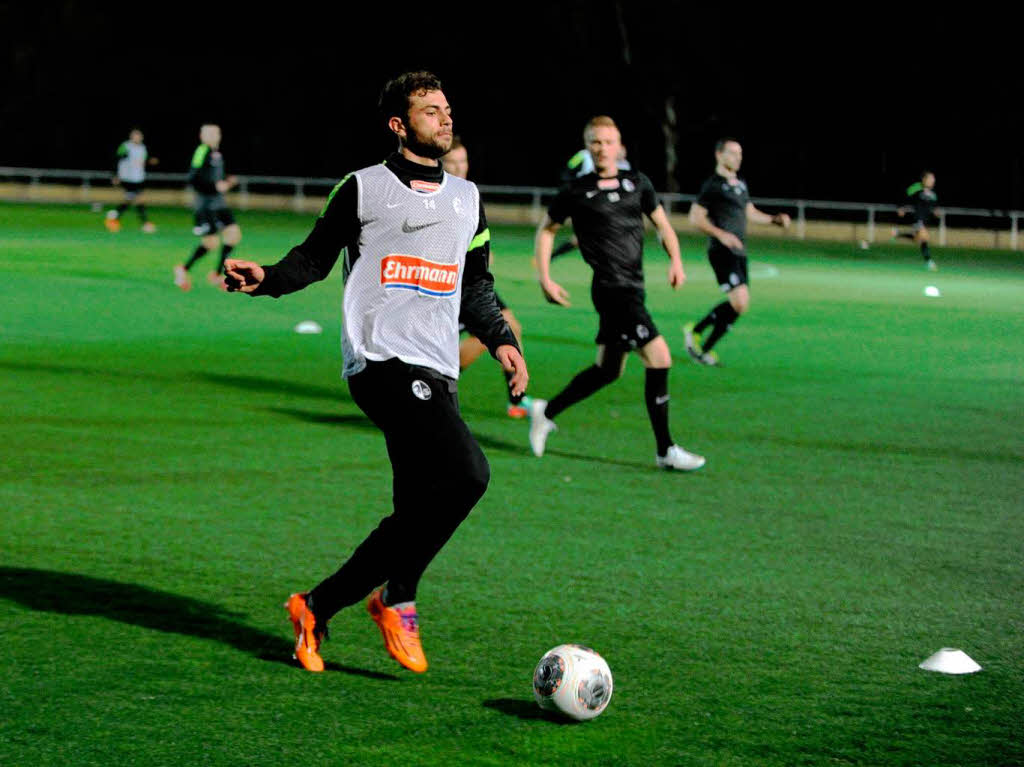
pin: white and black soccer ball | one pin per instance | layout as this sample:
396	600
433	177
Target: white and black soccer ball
573	680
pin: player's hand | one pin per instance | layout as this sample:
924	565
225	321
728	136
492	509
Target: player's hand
242	276
115	181
731	241
781	219
555	293
676	275
900	212
512	362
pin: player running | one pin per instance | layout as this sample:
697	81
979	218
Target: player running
721	211
456	162
214	221
417	252
580	164
921	202
607	209
130	175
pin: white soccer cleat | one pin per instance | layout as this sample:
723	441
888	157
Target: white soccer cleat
708	359
681	460
540	426
181	278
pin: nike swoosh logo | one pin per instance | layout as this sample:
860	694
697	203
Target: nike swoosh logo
661	400
410	229
592	194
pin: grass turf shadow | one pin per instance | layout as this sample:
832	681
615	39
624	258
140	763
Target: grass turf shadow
74	594
524	709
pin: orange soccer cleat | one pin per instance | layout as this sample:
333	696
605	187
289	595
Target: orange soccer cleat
112	223
401	632
307	634
516	411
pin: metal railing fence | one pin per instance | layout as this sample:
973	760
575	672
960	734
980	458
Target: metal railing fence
865	218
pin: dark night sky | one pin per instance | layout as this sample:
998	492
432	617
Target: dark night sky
827	106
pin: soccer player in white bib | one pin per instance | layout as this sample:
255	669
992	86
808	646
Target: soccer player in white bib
132	160
416	248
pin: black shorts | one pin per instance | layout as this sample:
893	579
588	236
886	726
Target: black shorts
132	189
730	268
623	320
210	219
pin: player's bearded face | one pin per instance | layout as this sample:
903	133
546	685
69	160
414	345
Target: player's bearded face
429	129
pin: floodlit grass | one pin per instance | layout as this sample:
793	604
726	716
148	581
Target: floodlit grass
174	465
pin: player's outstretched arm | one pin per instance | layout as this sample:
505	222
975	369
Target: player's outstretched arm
242	276
542	247
669	241
760	217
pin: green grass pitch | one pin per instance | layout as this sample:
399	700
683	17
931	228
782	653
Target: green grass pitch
174	465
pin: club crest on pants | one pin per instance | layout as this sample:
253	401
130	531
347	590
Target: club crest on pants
421	390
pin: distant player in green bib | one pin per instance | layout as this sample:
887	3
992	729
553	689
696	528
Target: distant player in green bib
920	204
214	222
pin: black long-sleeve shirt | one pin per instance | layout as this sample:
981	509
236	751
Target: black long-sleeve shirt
206	170
338	227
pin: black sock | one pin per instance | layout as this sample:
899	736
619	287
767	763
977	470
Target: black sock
705	323
513	399
582	386
925	252
200	252
566	247
656	396
724	316
225	251
142	212
395	593
121	209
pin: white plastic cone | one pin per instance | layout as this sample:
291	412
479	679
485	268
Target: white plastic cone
308	326
949	660
932	292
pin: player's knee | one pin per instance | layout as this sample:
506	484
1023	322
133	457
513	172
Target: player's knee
609	372
209	241
740	301
233	235
473	479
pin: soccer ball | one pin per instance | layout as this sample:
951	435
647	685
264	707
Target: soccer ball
572	680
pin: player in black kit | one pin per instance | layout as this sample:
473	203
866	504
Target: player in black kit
607	208
721	211
921	202
214	222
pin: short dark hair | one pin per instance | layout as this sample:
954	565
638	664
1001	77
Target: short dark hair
394	99
720	144
927	173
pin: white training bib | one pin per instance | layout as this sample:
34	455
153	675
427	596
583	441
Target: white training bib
403	280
